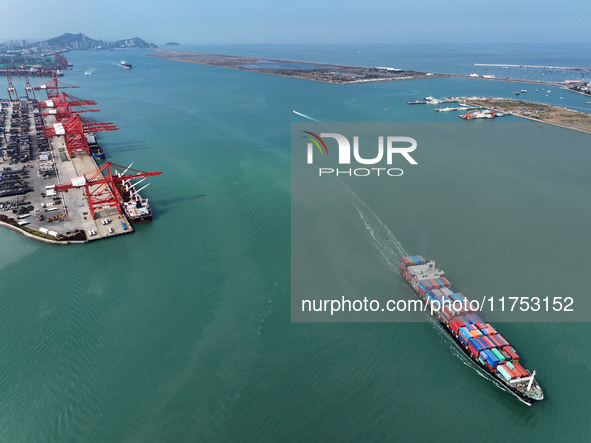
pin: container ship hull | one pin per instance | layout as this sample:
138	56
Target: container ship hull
135	207
125	65
528	396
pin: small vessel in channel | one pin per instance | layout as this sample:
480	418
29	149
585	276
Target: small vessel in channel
125	65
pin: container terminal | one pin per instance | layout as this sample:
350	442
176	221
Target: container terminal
51	186
478	340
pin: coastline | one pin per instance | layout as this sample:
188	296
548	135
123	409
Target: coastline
321	72
36	237
534	111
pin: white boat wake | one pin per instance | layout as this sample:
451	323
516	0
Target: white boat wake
306	116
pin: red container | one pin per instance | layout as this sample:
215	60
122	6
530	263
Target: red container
511	373
406	260
445	281
473	350
421	291
518	368
455	326
403	268
490	328
460	321
407	275
511	353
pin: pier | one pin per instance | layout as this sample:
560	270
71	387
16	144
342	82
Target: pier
51	187
539	112
561	68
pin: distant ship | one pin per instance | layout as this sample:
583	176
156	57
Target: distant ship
125	65
478	114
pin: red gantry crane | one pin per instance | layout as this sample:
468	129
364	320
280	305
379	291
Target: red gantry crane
68	123
52	88
103	186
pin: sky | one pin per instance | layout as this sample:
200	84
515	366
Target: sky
301	21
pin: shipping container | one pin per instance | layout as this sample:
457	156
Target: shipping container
502	340
497	354
495	340
489	343
509	350
455	326
478	344
503	372
520	370
446	291
490	357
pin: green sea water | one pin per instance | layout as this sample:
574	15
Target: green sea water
182	331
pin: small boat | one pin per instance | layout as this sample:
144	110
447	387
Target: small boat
125	65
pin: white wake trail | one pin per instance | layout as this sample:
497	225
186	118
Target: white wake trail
306	116
381	237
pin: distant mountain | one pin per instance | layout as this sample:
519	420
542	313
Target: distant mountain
135	42
80	41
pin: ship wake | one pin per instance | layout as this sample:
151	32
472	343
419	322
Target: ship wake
381	237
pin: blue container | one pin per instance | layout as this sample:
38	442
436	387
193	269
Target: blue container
466	333
477	344
491	358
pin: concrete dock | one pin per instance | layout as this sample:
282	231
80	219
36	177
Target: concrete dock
62	216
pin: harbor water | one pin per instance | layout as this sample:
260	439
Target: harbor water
182	331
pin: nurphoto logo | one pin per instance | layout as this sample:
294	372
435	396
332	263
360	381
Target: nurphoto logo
394	145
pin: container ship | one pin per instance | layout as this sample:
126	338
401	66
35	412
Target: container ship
125	65
478	340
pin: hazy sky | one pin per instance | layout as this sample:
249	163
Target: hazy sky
301	21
